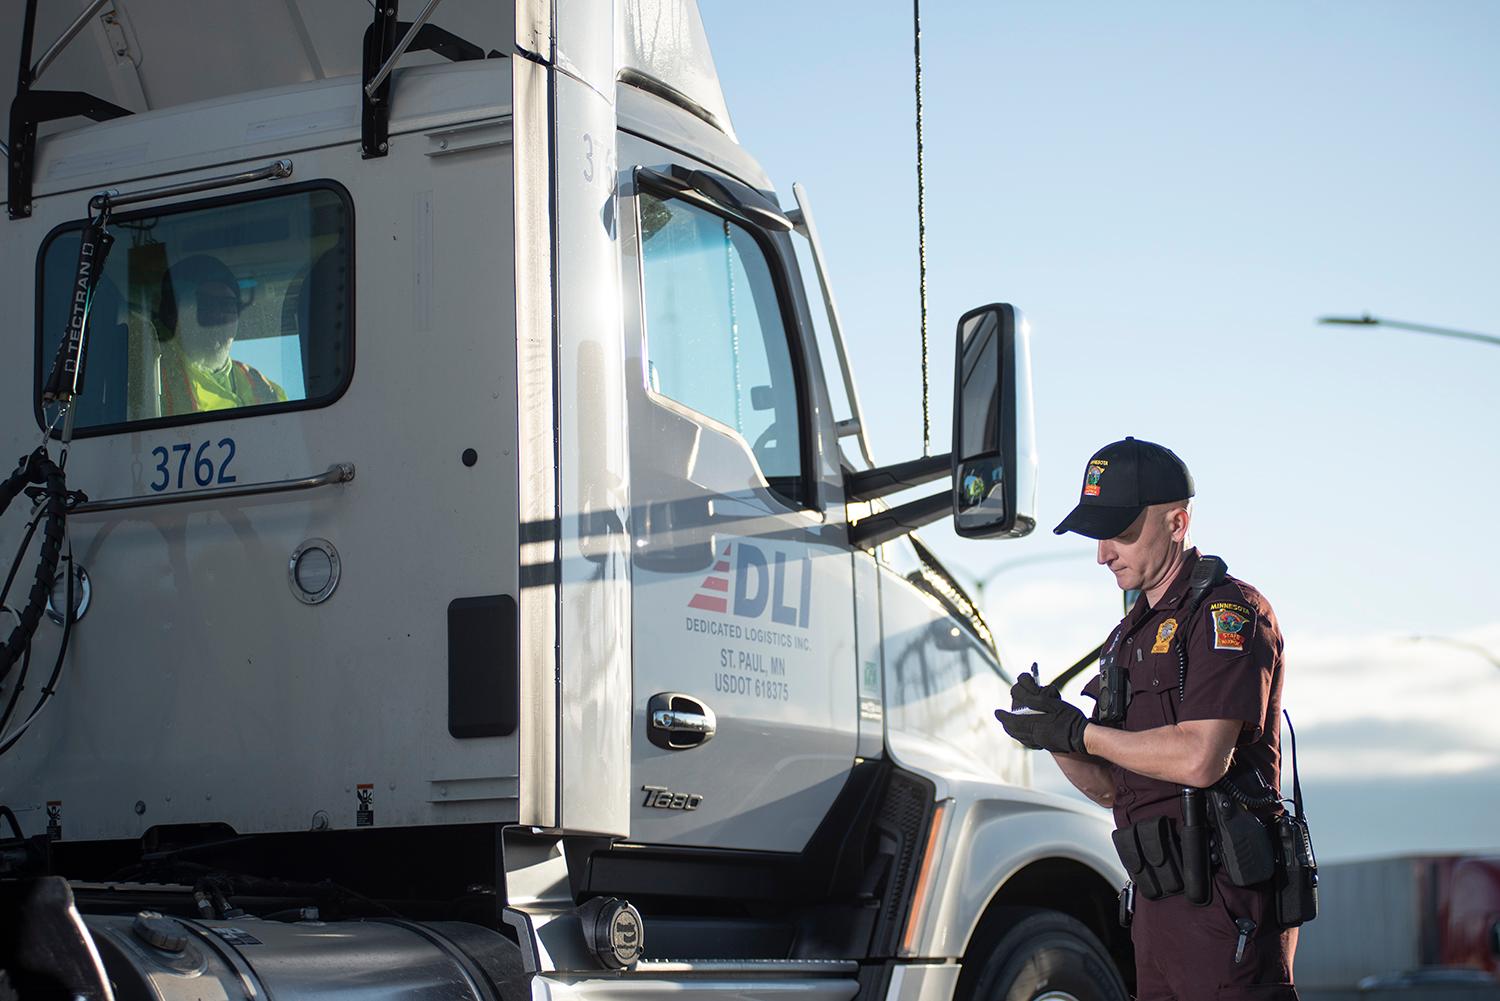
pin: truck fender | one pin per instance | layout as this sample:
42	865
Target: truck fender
1008	847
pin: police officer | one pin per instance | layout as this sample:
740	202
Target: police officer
1199	700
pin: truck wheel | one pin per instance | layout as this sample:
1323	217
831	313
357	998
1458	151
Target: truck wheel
1042	956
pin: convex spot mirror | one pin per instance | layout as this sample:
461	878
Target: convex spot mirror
994	437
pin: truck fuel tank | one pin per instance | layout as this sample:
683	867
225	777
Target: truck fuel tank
47	949
153	955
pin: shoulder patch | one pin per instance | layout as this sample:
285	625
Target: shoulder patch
1164	634
1233	624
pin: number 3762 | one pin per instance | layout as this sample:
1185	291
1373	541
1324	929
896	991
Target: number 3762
209	465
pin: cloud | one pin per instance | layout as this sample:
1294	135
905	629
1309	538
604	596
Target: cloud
1395	745
1375	747
1366	705
1398	747
1384	705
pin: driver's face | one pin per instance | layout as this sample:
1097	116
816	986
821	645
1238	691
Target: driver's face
216	304
209	318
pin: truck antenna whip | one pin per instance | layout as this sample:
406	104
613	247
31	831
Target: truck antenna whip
916	19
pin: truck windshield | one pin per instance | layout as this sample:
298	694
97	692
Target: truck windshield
207	310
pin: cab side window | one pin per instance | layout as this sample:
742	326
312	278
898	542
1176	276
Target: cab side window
209	310
716	340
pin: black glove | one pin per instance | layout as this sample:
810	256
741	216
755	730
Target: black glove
1054	725
1029	694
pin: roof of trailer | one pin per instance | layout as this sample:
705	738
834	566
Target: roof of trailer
144	54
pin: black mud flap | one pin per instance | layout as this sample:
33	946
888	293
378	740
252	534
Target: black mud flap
45	951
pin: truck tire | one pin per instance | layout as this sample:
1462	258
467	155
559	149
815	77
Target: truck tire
1042	956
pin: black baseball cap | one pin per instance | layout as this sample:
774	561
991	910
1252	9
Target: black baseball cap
1120	481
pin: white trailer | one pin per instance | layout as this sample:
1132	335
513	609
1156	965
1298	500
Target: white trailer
474	594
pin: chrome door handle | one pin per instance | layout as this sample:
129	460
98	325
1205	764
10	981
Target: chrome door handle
680	722
676	722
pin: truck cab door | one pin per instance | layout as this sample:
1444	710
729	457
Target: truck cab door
745	709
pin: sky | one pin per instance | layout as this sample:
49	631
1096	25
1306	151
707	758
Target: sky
1173	192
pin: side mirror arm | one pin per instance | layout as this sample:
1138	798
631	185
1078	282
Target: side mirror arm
884	526
868	484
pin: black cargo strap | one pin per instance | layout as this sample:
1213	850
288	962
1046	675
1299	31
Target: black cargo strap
36	468
1079	667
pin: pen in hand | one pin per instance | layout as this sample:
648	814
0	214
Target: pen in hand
1037	679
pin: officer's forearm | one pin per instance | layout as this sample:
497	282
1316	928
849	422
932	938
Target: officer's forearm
1089	776
1195	753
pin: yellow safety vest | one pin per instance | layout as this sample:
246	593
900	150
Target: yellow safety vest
188	388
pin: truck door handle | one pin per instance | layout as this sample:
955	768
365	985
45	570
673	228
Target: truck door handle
676	722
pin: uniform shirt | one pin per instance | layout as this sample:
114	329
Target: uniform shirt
1234	669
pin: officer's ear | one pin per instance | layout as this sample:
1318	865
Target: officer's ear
1179	518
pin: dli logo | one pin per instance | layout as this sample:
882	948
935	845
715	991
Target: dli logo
759	583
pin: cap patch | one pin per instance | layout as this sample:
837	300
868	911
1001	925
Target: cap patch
1092	476
1164	634
1233	624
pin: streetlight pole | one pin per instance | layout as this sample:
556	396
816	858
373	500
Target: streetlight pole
1367	320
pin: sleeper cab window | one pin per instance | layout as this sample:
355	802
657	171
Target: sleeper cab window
716	340
211	310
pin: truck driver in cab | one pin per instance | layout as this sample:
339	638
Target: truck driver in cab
198	318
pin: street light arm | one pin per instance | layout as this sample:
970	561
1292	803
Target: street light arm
1454	641
1025	561
1367	320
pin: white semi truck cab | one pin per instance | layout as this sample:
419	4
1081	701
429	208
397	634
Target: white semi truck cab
463	585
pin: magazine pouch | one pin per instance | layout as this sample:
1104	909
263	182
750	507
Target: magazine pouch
1150	853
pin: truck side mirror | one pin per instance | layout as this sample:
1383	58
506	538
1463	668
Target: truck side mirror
994	436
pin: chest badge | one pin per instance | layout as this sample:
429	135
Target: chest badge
1164	634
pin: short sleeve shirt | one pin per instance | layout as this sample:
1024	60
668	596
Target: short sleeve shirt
1220	660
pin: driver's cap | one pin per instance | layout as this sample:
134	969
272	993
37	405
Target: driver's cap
1120	481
